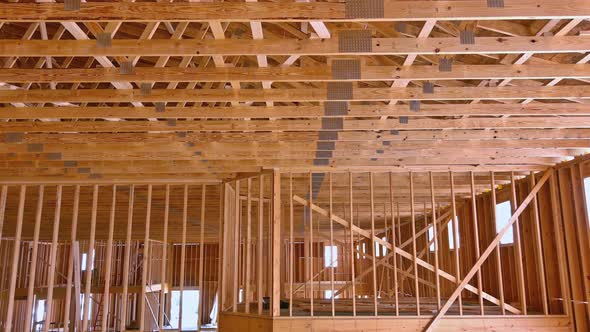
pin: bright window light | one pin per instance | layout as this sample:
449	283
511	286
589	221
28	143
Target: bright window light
330	256
328	294
85	260
190	309
451	238
503	214
431	237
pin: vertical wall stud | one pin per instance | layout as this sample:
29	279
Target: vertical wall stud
33	267
90	259
161	317
498	258
476	242
109	262
73	256
146	246
201	252
518	253
126	259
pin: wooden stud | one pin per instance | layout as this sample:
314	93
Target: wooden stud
109	262
456	239
414	255
309	255
276	244
73	256
539	249
126	261
202	254
373	244
352	255
15	256
291	245
248	243
476	241
237	241
518	248
259	289
499	274
435	239
331	263
183	255
164	287
34	259
146	256
90	259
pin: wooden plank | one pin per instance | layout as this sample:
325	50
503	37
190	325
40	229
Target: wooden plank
334	260
73	256
352	261
15	256
145	261
373	244
518	247
202	253
52	261
90	256
161	317
33	266
313	73
285	95
106	300
493	245
262	11
539	250
499	274
183	255
291	245
276	244
456	239
393	244
248	243
304	111
435	238
127	258
259	289
414	254
476	241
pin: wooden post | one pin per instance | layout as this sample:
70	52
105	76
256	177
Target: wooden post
15	257
456	239
373	243
498	257
108	261
476	242
33	268
431	326
414	254
331	264
352	255
146	247
71	259
259	289
183	255
393	243
291	244
558	232
539	249
518	258
163	286
309	255
126	259
248	243
276	244
201	254
236	249
90	259
435	239
52	260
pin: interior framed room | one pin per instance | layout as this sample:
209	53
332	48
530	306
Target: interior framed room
327	165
